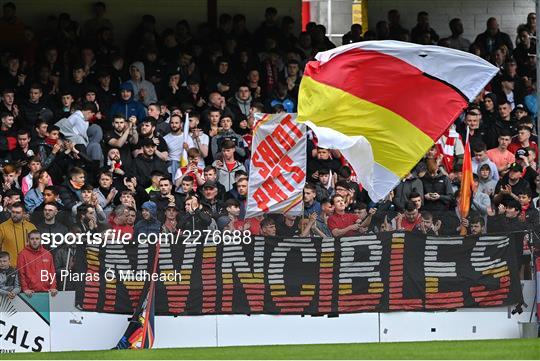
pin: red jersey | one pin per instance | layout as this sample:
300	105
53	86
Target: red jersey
409	226
184	171
340	221
255	226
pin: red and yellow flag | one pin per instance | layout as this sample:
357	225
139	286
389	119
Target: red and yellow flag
385	103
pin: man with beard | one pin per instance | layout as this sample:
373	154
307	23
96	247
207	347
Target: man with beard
148	162
123	134
13	232
175	143
50	223
148	131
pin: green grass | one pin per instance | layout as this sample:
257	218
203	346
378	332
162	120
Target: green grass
488	349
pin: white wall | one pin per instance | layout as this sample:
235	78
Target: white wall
125	15
473	13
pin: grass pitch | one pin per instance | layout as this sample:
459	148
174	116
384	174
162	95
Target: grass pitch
488	349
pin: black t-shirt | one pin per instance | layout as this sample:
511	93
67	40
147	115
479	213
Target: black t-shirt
125	150
521	185
161	144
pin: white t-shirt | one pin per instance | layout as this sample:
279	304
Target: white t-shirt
175	143
203	139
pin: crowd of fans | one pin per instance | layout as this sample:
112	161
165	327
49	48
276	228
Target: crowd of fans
91	135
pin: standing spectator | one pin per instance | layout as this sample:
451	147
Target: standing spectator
148	130
194	218
70	192
396	31
510	185
148	224
438	192
14	232
523	140
143	90
486	184
480	158
166	197
175	143
501	156
210	202
227	133
75	127
123	135
505	122
456	40
34	197
409	219
227	166
341	223
423	27
268	227
33	263
127	106
105	192
50	223
192	169
492	38
9	278
31	107
408	185
148	162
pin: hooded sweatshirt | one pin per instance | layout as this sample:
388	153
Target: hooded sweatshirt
487	186
150	90
31	262
93	150
74	128
13	238
128	108
150	226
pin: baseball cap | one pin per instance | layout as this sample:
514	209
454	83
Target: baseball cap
520	107
210	184
147	142
515	167
522	152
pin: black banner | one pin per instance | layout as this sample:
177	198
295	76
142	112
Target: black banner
373	273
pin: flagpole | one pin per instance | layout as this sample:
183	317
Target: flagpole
462	229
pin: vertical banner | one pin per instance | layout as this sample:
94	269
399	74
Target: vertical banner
278	162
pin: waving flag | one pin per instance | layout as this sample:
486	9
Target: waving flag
467	184
385	103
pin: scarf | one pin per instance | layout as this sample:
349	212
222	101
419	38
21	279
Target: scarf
76	185
50	141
